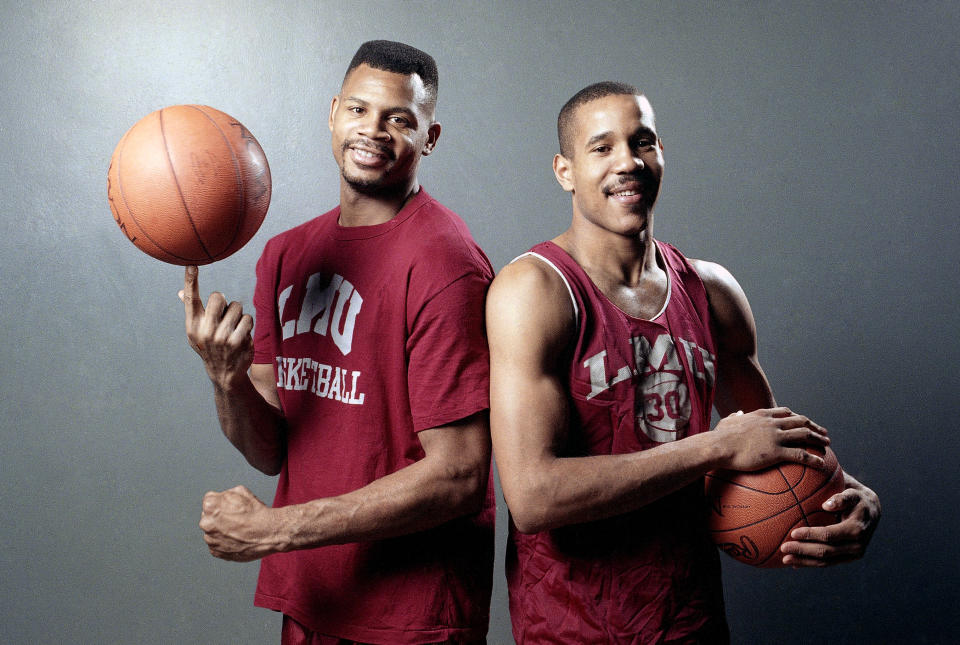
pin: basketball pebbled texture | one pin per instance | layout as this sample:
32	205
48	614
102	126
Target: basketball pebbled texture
189	184
752	513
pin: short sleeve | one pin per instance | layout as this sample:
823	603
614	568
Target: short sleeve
448	371
265	342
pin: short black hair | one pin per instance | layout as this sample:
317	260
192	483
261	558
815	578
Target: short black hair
587	94
399	58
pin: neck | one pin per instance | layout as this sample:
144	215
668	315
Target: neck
364	209
609	257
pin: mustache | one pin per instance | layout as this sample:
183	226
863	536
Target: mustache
628	181
370	145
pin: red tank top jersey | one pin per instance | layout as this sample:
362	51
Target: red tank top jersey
652	575
376	333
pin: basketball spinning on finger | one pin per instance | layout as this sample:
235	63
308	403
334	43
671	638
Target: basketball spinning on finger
189	184
752	513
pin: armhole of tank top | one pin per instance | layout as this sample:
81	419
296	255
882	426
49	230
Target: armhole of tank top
566	283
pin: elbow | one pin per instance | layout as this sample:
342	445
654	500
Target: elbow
468	490
525	525
268	465
528	512
271	470
528	522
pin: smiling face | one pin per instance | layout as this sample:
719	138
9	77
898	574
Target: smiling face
382	123
615	165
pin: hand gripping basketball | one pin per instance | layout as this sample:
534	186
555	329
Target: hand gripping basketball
752	514
766	437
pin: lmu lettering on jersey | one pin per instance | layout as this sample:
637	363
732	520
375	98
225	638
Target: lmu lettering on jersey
662	404
315	310
327	307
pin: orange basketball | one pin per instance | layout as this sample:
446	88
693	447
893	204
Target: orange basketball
752	514
188	184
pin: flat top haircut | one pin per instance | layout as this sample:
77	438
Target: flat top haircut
399	58
565	122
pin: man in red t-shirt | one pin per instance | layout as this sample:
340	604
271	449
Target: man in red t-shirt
607	348
365	387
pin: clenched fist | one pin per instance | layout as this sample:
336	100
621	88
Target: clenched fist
239	527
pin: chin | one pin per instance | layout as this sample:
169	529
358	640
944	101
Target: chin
634	225
361	183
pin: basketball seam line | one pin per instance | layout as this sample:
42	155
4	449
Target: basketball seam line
130	211
176	180
239	176
798	505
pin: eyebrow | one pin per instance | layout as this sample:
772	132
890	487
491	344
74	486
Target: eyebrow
397	109
597	138
640	132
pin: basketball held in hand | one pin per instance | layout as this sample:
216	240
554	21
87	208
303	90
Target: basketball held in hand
752	513
189	184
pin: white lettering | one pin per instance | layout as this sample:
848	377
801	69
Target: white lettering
317	301
334	392
288	327
343	338
354	400
304	374
598	373
324	381
662	400
316	307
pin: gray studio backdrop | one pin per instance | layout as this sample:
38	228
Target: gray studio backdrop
811	148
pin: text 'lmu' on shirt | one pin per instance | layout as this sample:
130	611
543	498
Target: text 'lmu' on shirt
316	307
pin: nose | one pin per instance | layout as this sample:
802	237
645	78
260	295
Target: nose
373	126
627	160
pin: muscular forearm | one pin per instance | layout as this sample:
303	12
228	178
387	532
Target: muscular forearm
547	491
251	424
420	496
562	491
450	481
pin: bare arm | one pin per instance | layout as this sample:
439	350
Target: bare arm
450	481
742	385
246	396
529	325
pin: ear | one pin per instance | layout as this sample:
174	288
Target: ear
433	133
333	109
563	171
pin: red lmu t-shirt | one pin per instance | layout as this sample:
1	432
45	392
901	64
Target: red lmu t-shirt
376	333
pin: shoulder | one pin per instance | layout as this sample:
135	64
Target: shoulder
444	241
529	300
716	279
532	280
298	235
729	307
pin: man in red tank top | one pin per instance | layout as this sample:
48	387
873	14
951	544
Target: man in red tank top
608	350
